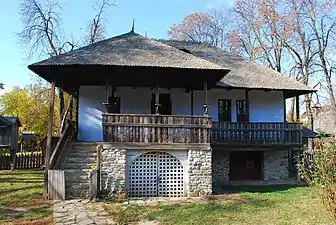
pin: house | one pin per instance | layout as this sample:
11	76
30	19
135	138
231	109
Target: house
9	133
173	118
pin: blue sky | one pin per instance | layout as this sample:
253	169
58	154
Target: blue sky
153	16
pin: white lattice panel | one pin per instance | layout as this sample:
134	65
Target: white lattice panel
170	183
156	174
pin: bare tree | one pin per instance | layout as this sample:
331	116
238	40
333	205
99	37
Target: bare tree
322	22
96	30
41	32
211	28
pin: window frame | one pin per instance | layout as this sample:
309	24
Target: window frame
229	111
242	109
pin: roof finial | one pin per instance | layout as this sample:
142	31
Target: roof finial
132	31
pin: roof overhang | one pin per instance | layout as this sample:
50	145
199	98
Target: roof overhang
70	77
288	93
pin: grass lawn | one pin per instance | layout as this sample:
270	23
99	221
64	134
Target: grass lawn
254	205
21	198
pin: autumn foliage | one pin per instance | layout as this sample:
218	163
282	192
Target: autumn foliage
319	170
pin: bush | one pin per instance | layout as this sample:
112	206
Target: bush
318	169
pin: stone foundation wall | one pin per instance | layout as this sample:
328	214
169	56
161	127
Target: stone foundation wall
113	170
199	172
276	165
220	169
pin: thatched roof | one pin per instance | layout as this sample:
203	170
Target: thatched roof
144	61
243	73
130	49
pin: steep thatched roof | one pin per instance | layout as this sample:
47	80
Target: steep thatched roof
145	62
243	73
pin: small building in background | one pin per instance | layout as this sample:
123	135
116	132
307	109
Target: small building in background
9	133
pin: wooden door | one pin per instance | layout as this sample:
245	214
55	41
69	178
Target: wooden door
165	104
246	165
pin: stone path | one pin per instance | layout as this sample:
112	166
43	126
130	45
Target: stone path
74	212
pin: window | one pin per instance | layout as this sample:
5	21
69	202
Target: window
224	110
242	111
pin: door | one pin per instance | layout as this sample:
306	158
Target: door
165	104
246	165
156	174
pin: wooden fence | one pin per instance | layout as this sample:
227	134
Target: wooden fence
22	161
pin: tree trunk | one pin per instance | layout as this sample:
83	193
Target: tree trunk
291	110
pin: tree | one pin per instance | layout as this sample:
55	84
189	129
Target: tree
1	85
211	28
322	22
30	104
42	32
96	30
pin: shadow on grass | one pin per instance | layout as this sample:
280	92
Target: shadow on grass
257	189
8	191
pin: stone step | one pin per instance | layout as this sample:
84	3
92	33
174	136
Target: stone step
84	146
79	165
89	160
75	194
82	155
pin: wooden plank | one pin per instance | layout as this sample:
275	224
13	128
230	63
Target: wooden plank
50	121
56	185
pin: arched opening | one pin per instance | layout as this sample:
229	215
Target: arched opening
155	174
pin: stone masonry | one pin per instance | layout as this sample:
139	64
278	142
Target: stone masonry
220	169
113	171
199	173
275	165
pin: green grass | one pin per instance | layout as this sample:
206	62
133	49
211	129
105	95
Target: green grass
21	198
254	205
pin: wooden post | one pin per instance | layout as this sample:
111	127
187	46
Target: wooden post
71	107
297	104
76	115
50	121
206	98
157	100
285	108
191	102
99	148
247	105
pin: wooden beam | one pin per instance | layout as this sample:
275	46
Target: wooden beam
297	105
192	102
247	104
206	98
77	112
285	108
50	121
157	100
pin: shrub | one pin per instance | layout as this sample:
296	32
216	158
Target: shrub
318	169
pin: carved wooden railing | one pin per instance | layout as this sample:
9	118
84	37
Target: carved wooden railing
162	129
257	133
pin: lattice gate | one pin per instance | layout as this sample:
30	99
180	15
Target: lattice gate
155	174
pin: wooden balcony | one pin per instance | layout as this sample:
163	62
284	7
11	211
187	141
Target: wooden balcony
253	134
156	129
163	129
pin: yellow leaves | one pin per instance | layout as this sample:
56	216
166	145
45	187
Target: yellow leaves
30	104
